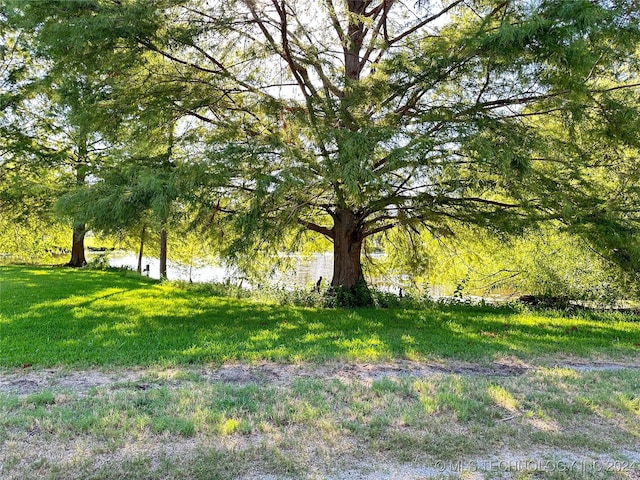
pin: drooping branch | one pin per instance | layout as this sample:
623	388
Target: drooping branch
334	21
327	84
147	44
298	71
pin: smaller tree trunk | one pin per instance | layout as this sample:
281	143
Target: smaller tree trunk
78	258
163	253
79	229
141	251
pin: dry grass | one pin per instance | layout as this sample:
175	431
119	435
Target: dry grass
208	423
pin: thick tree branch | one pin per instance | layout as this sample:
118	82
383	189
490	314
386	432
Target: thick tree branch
299	72
495	203
619	87
335	22
382	228
175	59
317	228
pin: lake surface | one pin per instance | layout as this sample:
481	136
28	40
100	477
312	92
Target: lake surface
306	270
303	273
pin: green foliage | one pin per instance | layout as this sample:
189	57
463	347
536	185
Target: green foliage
357	296
100	262
547	262
560	264
501	115
222	290
297	297
32	241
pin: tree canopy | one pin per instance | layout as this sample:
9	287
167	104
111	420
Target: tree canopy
351	118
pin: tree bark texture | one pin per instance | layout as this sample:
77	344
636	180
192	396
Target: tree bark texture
79	229
77	248
355	36
347	247
163	253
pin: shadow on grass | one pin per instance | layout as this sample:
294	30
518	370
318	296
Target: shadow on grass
55	316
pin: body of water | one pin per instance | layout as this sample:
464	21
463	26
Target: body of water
306	270
200	273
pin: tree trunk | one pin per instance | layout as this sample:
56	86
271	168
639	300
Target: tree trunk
141	251
79	229
163	253
347	245
356	32
77	248
347	264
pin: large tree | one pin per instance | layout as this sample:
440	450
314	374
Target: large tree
49	141
27	187
66	144
352	117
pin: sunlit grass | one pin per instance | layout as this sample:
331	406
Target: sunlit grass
503	398
56	316
173	421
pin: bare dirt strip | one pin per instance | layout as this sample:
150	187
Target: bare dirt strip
26	381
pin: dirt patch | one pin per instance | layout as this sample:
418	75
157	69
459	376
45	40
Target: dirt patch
284	374
597	367
30	381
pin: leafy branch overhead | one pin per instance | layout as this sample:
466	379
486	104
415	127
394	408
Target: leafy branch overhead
351	118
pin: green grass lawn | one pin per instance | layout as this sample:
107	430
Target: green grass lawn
162	413
61	317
